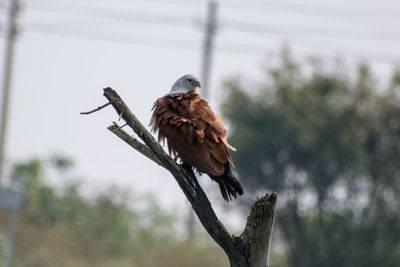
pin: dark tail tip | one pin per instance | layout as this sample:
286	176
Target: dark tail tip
228	184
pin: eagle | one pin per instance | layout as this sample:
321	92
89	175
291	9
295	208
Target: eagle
195	134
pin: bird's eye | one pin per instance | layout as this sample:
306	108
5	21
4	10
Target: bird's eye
189	80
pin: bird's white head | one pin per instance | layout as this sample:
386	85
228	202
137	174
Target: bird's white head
185	84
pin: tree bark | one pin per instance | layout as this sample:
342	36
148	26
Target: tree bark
258	231
251	248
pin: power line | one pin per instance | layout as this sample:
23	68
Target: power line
93	34
190	44
118	14
315	30
343	11
333	10
230	24
315	9
235	25
137	39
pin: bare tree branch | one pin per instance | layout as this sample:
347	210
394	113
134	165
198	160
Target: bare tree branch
258	231
134	143
251	248
188	183
96	109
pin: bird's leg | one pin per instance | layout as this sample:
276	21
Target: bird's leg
187	167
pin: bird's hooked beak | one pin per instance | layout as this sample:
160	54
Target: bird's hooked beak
197	84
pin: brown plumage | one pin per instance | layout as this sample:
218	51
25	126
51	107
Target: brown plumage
195	134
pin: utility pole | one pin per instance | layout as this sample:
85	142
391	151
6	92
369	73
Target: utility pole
12	199
11	32
208	45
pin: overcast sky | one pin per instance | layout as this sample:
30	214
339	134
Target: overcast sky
67	51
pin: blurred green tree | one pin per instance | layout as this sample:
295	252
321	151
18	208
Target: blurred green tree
61	226
108	217
329	144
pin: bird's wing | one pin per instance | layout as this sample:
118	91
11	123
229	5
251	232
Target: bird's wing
214	129
192	130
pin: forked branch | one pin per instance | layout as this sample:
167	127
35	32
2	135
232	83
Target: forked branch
252	247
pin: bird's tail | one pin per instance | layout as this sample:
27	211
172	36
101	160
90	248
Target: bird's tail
228	184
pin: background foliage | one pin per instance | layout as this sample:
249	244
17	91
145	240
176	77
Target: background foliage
327	141
61	226
329	144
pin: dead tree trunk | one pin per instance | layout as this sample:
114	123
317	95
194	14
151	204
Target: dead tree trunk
251	248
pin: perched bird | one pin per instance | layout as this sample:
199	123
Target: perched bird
195	134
